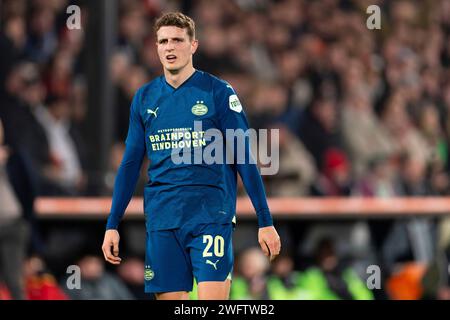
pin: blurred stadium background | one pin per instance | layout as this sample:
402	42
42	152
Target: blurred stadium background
364	119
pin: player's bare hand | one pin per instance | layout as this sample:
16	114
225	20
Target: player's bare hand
269	240
110	246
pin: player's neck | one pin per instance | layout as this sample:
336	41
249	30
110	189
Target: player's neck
177	79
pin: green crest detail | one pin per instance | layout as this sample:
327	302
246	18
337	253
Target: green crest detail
148	274
199	109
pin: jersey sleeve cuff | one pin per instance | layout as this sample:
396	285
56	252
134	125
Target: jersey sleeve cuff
264	218
112	224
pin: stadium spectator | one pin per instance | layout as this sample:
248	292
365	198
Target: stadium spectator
250	281
335	179
41	284
359	125
319	129
97	283
284	281
15	114
296	166
132	78
26	93
131	272
379	180
404	136
14	230
66	175
12	44
330	279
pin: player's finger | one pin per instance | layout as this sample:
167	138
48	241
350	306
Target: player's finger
272	250
277	246
104	252
113	257
264	248
109	257
114	260
116	248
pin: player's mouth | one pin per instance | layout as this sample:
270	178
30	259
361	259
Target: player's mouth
171	57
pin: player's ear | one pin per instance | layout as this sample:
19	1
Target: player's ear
194	45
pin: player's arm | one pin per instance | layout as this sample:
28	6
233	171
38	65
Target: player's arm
125	182
232	116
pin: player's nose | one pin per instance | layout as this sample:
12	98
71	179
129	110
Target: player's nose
170	46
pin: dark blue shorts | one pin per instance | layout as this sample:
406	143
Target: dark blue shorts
174	257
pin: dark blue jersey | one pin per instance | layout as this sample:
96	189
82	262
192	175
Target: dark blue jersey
167	122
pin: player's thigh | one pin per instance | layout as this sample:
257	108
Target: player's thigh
167	265
214	290
211	253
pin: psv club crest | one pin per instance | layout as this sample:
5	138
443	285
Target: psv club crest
199	109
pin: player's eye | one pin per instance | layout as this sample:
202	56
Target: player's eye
163	41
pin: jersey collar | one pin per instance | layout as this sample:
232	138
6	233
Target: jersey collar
173	89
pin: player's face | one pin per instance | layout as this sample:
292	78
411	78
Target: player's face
175	48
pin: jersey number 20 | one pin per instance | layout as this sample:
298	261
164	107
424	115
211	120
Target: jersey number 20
219	244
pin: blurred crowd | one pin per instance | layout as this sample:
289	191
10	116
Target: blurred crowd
43	93
360	113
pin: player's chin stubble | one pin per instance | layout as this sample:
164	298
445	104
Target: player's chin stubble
175	69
